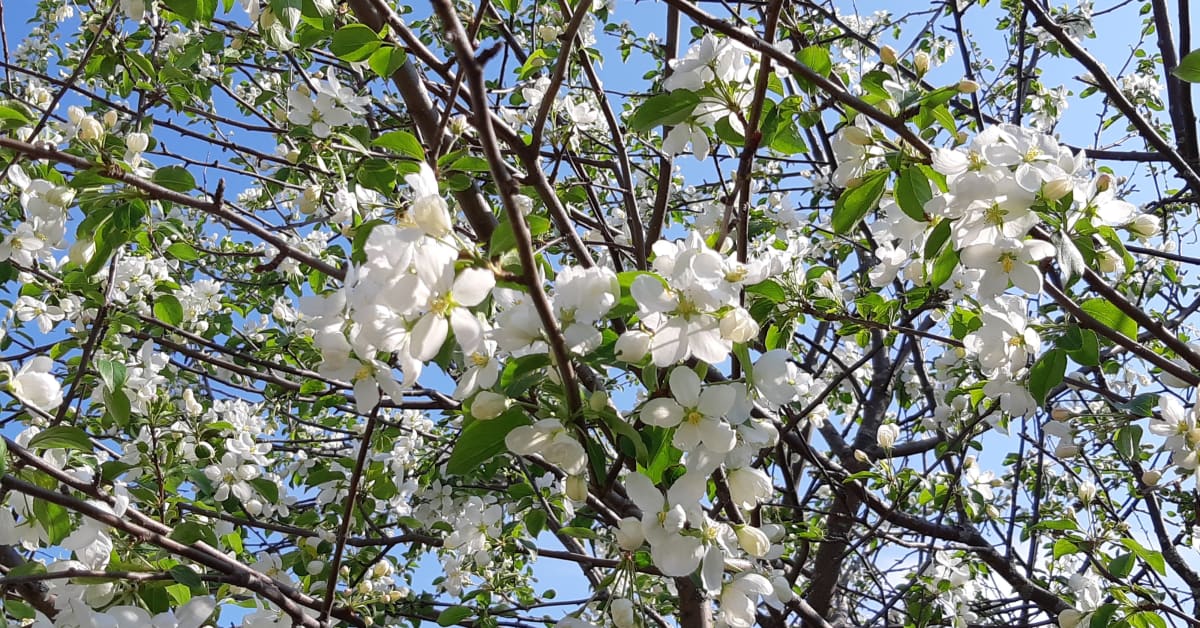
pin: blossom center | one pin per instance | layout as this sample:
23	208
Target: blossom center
1007	260
693	416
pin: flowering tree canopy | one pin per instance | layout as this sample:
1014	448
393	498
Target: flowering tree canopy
354	313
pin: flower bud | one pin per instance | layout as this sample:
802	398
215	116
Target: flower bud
857	136
629	534
598	401
81	252
1144	226
887	435
1056	189
75	114
577	489
753	541
1086	492
887	55
488	405
1066	450
310	200
1104	181
1061	414
1069	618
622	613
1151	477
432	215
1108	260
738	326
137	142
632	346
111	118
782	589
967	86
314	566
90	129
921	62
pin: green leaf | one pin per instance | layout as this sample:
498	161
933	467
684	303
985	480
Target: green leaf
193	10
817	59
1189	67
19	609
3	456
183	251
117	403
113	373
856	202
175	178
535	522
180	593
61	437
1056	524
578	532
13	113
623	429
1047	373
1064	547
1129	440
1088	353
354	42
453	615
168	309
770	289
1110	316
937	238
401	142
481	440
54	518
1121	565
1141	406
387	60
1146	619
184	575
503	239
943	267
1101	617
1151	557
912	191
189	532
664	110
